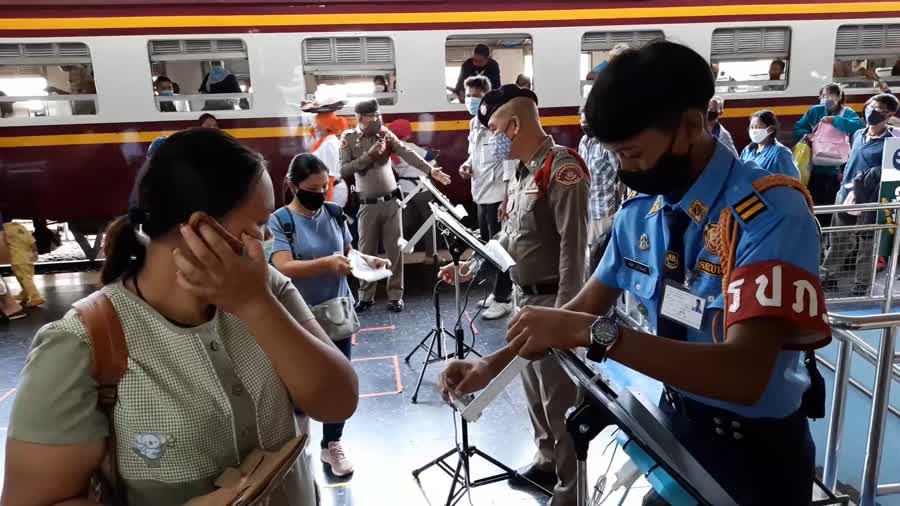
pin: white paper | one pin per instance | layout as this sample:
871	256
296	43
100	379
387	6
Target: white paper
363	271
499	254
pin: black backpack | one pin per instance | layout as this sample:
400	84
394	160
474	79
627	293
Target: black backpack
287	223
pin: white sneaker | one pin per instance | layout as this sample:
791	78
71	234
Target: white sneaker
497	310
485	302
335	457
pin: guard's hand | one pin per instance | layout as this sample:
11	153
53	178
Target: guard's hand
465	172
447	274
502	215
338	264
463	377
377	150
828	120
209	268
533	331
440	176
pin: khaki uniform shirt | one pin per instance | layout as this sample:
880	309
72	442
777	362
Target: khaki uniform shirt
193	401
374	177
546	233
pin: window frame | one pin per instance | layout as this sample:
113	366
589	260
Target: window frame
385	99
480	39
44	61
634	42
198	57
763	54
865	54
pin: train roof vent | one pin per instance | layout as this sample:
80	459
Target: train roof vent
348	50
165	47
751	43
230	45
604	41
342	52
197	49
317	51
198	46
864	41
48	53
379	50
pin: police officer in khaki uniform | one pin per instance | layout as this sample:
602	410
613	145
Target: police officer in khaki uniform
366	154
546	235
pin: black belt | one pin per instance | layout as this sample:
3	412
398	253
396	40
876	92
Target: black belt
396	194
540	289
730	426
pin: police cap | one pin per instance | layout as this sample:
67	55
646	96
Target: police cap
366	107
498	98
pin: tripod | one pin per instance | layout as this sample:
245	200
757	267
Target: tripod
437	333
461	484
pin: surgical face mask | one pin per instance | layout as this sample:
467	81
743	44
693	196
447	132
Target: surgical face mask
167	93
472	104
828	103
310	200
757	135
380	88
874	116
267	245
373	127
670	176
217	74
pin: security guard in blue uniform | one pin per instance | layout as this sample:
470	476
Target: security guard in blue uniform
709	232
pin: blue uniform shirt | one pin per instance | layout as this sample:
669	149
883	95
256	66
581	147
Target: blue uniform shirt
634	260
775	158
314	237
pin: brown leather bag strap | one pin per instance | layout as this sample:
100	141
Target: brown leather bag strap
109	363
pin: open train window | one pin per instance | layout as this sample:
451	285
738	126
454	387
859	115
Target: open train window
751	59
504	59
46	79
598	47
350	69
867	57
188	73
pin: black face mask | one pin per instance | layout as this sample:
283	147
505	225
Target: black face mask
712	116
671	176
874	117
587	130
310	200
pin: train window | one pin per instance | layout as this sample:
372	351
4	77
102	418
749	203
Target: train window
867	56
501	58
350	68
751	59
186	73
597	47
46	79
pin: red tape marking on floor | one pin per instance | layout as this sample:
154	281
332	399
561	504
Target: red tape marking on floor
474	328
396	362
7	395
376	329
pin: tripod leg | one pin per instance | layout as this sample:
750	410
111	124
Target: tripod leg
420	345
455	482
434	462
425	362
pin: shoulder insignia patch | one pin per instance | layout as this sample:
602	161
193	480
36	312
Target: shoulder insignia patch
569	175
749	207
657	205
644	242
630	194
344	142
711	238
697	211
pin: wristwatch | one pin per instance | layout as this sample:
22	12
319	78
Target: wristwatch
604	334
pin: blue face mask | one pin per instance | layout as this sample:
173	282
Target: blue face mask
828	103
217	74
167	93
501	146
473	103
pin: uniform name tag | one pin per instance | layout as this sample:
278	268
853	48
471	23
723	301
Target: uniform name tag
682	306
631	264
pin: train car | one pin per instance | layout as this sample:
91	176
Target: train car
80	79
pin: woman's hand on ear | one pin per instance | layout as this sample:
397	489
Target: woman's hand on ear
210	269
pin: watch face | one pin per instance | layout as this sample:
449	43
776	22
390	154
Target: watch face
604	331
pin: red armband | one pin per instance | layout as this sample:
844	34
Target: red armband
780	290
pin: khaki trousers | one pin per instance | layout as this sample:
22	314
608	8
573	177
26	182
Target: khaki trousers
550	393
382	222
22	254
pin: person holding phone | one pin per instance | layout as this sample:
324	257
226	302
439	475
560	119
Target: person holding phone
311	244
222	349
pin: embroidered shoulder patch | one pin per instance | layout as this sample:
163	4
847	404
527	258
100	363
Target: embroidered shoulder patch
657	205
569	175
750	207
697	211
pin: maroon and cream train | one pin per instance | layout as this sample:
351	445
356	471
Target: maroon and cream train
73	157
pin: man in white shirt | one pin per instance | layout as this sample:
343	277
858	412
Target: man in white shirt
489	183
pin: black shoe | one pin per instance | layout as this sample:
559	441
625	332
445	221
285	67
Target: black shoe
546	479
363	305
396	306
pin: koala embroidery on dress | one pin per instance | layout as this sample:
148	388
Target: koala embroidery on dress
151	447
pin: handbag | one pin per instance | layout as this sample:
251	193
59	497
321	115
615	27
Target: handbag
337	317
830	146
802	156
261	473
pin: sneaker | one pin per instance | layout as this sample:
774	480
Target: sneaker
497	310
34	302
335	457
485	302
18	315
